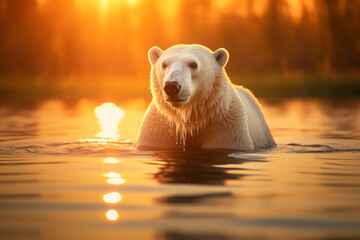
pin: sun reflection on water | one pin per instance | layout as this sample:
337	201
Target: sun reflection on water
111	160
112	175
113	197
112	215
109	116
115	181
114	178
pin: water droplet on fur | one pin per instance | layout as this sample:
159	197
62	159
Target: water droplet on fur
177	137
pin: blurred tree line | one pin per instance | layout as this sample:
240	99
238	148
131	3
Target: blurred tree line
70	37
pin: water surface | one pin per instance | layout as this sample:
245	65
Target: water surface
67	171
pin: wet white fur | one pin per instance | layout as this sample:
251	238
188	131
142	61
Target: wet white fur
218	114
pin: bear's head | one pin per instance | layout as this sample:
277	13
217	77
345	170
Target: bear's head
184	78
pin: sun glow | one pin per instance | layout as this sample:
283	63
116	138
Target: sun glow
111	160
113	197
115	181
112	215
132	3
109	116
105	5
112	175
114	178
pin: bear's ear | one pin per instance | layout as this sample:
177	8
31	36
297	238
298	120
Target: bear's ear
154	54
221	56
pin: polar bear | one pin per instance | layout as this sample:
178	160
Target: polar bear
195	106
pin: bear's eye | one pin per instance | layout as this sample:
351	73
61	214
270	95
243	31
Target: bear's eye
164	65
193	65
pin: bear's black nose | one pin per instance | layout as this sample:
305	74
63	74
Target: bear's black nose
172	89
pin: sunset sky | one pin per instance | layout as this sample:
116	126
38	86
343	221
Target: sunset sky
72	39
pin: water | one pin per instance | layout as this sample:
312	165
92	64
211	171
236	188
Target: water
65	176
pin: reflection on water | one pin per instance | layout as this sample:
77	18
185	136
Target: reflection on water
298	118
116	181
114	178
113	197
109	116
112	215
112	175
199	167
57	184
111	160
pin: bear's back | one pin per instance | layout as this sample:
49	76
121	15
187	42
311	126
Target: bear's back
259	130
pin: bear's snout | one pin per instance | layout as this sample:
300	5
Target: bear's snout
172	89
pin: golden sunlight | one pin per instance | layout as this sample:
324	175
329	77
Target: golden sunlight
132	3
112	215
41	2
115	181
112	175
114	178
113	197
111	160
109	116
104	5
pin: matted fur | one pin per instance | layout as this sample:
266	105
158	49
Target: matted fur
215	115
